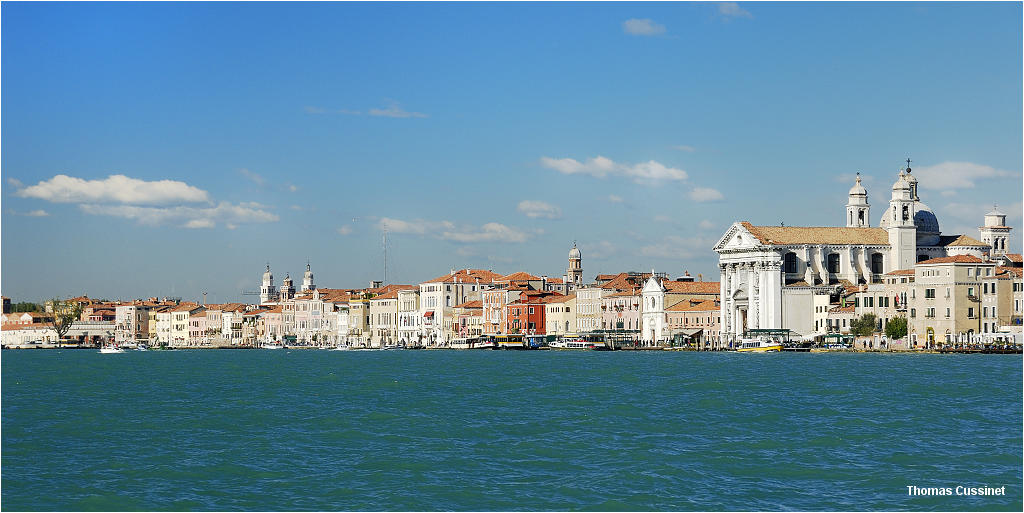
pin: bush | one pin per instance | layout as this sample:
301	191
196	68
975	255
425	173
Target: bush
896	328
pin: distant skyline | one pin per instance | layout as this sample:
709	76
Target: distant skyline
167	149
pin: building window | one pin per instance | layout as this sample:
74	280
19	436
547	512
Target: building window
833	263
913	313
877	263
929	293
789	262
970	313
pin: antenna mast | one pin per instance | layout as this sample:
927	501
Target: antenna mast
385	244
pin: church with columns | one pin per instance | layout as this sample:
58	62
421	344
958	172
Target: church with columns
774	277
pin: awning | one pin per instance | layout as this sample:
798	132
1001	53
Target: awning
429	313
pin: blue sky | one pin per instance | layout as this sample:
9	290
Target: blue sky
245	133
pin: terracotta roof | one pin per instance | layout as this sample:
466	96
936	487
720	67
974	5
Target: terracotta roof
624	281
817	235
560	298
625	293
391	291
1019	271
692	287
471	304
520	276
11	327
842	309
555	280
900	272
957	259
198	314
963	240
1014	257
694	306
274	309
185	307
467	276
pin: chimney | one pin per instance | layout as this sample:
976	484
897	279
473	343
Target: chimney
700	277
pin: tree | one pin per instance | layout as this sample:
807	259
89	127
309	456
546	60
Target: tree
896	328
864	325
64	314
26	307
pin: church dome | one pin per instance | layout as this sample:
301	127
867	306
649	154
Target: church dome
858	189
925	221
901	183
574	253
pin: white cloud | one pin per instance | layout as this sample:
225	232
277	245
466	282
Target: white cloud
349	112
955	175
644	172
706	224
345	230
686	148
614	199
447	230
393	110
15	182
489	232
37	213
114	188
703	194
733	10
642	27
536	209
292	188
252	176
186	216
674	246
599	251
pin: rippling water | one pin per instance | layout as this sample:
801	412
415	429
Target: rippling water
496	430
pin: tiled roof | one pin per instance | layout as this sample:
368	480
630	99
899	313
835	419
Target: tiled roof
957	259
560	298
198	314
692	287
900	272
555	280
817	235
964	240
842	309
468	276
471	304
623	281
694	306
186	307
1018	271
520	276
625	293
1014	257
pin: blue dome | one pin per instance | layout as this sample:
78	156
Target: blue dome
925	221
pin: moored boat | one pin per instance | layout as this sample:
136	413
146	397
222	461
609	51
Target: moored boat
759	345
111	349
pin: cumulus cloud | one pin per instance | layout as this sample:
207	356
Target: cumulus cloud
644	172
114	188
956	175
704	194
674	246
393	110
37	213
229	214
706	224
614	199
536	209
642	27
15	182
345	230
686	148
733	10
447	230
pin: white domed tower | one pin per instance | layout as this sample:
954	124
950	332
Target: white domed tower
858	212
268	293
574	274
899	222
307	280
995	232
287	288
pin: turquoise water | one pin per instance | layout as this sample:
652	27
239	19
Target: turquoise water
496	430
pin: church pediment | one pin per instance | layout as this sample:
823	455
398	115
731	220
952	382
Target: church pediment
737	237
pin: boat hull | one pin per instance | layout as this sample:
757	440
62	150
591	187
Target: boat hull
764	349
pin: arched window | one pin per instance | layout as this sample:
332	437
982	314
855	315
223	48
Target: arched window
789	262
906	212
833	263
851	217
860	216
877	263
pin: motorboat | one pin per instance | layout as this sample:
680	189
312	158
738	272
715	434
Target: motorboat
111	349
273	345
339	348
759	345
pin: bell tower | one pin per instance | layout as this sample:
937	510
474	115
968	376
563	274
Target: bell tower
995	232
268	293
858	212
901	227
574	274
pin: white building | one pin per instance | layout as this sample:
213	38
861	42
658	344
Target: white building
770	274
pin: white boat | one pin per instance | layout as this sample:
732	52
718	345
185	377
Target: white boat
142	347
339	348
759	345
574	343
392	347
111	349
273	345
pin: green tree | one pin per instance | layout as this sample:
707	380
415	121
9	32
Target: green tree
864	325
26	307
64	314
896	328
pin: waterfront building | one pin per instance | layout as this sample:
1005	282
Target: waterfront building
131	322
214	325
440	295
359	320
620	312
995	232
26	318
231	322
840	319
409	319
694	321
468	320
494	300
526	315
588	307
268	326
179	329
770	274
945	302
659	293
163	325
560	315
197	329
384	318
27	335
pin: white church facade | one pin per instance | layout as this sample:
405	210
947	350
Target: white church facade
772	275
